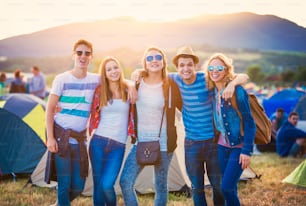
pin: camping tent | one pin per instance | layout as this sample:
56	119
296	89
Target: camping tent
300	108
177	178
297	176
22	133
286	99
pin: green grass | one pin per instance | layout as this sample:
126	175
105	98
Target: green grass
266	191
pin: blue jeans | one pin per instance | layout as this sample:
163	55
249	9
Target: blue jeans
106	157
132	169
196	154
70	183
231	171
294	150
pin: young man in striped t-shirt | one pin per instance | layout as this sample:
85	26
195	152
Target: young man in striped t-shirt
72	91
197	114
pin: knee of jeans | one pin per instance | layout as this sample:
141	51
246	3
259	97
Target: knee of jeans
228	191
197	190
125	183
107	186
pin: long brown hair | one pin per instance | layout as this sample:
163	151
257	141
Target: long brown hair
106	94
228	62
164	69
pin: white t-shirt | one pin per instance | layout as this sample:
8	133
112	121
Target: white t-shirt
75	98
150	105
114	121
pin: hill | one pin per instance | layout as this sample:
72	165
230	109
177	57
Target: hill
238	30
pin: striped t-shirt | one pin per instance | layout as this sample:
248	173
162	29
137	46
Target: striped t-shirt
197	107
75	97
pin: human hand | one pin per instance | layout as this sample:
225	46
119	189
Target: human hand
244	160
132	94
228	91
52	145
137	74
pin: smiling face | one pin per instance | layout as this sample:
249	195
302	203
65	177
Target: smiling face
217	70
82	56
186	69
154	61
112	71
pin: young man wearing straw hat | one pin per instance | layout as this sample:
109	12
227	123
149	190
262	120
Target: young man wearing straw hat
200	147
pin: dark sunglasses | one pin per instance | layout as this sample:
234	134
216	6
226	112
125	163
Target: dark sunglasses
157	57
79	53
219	68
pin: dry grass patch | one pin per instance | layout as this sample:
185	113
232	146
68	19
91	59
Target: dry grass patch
266	191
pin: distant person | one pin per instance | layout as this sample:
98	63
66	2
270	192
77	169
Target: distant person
278	118
37	84
290	141
234	150
18	85
2	83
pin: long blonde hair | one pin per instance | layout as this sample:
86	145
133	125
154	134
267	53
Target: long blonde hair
106	94
164	69
228	62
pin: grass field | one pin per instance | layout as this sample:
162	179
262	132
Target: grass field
266	191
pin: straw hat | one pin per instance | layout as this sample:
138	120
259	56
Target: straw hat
186	50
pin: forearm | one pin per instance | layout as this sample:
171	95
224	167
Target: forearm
240	79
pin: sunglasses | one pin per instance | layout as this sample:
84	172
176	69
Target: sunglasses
219	68
87	53
157	57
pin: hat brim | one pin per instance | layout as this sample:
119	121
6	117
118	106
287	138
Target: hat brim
194	57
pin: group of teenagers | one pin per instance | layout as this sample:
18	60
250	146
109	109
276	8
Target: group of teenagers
111	108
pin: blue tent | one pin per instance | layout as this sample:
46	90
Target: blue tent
300	108
22	133
286	99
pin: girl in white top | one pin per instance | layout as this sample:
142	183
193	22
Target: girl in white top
110	114
152	93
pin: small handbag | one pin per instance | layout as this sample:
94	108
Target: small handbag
148	153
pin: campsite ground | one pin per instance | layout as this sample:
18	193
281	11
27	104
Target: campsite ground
266	191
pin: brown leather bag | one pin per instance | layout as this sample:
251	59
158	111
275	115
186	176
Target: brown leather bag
263	123
148	153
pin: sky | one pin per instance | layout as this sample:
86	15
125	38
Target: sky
19	17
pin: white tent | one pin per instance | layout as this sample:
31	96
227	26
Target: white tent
177	178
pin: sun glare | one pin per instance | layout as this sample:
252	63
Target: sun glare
34	15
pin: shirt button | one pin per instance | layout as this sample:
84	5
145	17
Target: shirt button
228	133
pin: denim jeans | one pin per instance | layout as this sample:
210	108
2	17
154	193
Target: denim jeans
132	169
70	183
196	154
231	171
294	150
106	157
